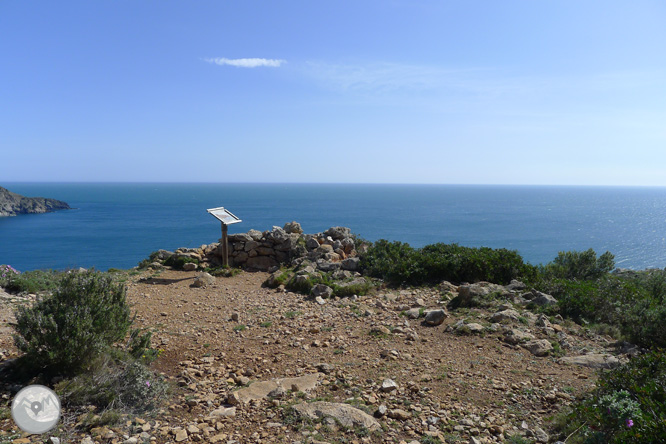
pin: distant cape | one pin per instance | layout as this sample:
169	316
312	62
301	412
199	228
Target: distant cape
12	204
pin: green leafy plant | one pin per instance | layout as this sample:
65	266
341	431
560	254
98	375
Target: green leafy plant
37	281
579	265
399	264
86	313
177	262
628	405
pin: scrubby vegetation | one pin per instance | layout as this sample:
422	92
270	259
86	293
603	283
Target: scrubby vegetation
628	405
81	333
632	302
86	313
38	281
398	263
303	283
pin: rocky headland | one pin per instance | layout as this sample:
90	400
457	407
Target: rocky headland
12	204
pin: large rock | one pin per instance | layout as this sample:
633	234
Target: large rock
239	237
312	244
338	233
345	414
509	315
326	266
277	235
260	390
321	290
190	266
203	280
255	235
351	263
293	227
544	299
538	347
515	336
515	286
475	295
435	317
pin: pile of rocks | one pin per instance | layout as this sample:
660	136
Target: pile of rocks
330	250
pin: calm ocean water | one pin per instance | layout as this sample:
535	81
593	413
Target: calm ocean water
118	225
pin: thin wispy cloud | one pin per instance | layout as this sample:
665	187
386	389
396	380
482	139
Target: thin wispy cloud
247	62
484	83
377	76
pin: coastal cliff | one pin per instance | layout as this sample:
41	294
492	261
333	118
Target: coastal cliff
12	204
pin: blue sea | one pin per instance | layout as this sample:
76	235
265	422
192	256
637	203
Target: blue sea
116	225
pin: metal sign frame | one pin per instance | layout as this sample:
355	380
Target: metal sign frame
224	216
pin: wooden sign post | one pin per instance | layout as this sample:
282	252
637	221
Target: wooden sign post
227	218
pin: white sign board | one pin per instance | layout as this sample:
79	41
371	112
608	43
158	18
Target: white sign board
224	216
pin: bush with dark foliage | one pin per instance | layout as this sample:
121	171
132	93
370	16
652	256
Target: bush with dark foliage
86	313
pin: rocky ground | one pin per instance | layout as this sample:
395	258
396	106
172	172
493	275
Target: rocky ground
248	364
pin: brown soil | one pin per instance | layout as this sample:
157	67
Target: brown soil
453	386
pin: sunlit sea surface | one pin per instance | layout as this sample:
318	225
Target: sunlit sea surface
118	225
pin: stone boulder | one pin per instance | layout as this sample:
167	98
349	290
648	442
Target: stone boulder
261	389
515	336
321	290
190	266
544	300
538	298
435	317
292	228
351	263
345	414
504	316
475	295
515	286
327	266
538	347
203	280
338	233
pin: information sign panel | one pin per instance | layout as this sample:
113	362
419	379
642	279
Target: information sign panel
224	216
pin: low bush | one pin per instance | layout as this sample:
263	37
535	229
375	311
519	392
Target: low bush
399	264
37	281
580	265
341	288
628	405
116	382
86	313
177	262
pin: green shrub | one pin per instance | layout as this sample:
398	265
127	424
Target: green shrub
399	264
340	288
177	262
395	262
628	406
359	289
644	323
580	265
37	281
85	315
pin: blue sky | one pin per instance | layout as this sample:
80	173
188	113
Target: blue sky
468	92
